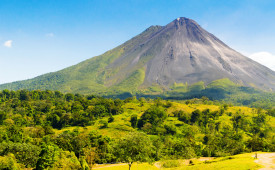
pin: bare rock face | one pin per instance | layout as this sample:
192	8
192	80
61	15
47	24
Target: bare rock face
184	52
180	52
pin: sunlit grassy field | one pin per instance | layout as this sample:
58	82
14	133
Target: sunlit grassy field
240	162
135	166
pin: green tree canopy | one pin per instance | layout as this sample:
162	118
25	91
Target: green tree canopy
135	147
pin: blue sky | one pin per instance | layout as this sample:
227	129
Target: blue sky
40	36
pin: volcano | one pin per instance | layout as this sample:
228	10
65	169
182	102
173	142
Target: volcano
161	56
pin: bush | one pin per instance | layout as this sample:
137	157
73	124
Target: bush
171	164
24	153
170	129
104	124
182	116
111	119
168	104
134	121
154	115
9	162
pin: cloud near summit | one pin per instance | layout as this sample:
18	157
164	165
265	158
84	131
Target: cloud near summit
265	58
8	43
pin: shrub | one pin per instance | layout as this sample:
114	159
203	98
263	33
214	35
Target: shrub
171	164
104	124
9	162
111	119
134	121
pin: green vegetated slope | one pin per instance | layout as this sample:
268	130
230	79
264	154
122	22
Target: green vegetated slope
84	77
96	75
91	77
223	90
49	129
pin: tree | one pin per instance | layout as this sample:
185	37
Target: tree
182	116
170	129
237	121
69	97
9	162
134	120
111	119
47	156
260	118
135	147
24	95
104	124
26	154
99	111
90	155
154	115
196	116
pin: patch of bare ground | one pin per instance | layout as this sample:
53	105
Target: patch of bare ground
267	160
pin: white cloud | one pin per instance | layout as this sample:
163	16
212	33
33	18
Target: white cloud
50	34
8	44
265	58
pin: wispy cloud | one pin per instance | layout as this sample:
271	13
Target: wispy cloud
50	34
265	58
8	43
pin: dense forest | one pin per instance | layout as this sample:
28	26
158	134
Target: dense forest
52	130
221	89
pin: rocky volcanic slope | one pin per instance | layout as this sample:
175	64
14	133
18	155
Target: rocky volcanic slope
180	52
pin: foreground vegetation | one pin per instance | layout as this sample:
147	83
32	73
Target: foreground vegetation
48	129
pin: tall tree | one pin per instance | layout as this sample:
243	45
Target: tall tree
135	147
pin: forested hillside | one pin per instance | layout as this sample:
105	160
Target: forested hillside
49	129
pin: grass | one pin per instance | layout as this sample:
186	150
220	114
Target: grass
240	162
132	82
196	86
222	83
135	166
